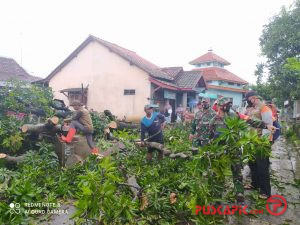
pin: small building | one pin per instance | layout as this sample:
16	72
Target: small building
10	69
104	75
220	82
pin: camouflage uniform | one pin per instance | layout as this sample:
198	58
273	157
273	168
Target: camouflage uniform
236	167
200	126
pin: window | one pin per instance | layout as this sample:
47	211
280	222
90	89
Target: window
129	92
230	83
77	97
238	85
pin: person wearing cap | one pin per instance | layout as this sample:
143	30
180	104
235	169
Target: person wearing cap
152	123
81	121
200	125
224	106
260	174
218	121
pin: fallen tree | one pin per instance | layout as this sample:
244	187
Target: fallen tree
165	151
126	125
51	126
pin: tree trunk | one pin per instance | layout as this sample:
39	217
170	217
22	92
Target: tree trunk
159	147
165	151
40	128
115	148
14	159
53	121
128	126
51	126
134	186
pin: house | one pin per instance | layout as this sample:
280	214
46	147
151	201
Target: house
220	82
104	75
10	69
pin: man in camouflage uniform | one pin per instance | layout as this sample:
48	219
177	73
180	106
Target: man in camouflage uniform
218	121
224	105
200	126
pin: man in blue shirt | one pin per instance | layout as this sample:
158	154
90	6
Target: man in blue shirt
152	123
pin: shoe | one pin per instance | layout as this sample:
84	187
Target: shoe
95	151
70	135
248	187
263	196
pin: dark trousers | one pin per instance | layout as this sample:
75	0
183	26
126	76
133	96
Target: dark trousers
89	136
260	174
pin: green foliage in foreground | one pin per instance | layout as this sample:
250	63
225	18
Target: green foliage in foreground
99	190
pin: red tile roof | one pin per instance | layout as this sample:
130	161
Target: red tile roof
172	71
184	79
173	78
10	69
130	56
216	73
187	81
209	57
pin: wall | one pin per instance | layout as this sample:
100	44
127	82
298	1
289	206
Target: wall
237	97
210	64
224	84
107	75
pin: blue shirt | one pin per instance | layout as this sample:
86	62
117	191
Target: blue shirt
152	126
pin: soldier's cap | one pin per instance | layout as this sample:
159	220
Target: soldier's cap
150	106
76	103
250	94
224	100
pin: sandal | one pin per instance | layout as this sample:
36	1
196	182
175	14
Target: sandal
248	187
263	196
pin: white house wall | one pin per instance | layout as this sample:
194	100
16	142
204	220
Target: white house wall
236	96
107	75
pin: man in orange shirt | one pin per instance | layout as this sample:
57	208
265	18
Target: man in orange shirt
260	167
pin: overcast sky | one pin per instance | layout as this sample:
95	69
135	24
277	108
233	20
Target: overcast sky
40	34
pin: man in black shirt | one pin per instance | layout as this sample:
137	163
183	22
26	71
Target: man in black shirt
152	123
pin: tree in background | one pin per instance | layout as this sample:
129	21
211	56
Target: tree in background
280	44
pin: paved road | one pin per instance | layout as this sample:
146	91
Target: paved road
285	168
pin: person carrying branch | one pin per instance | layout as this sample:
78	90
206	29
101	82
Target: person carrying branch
81	121
224	106
152	123
260	174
